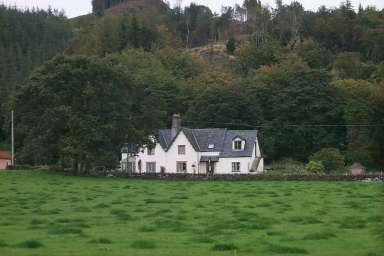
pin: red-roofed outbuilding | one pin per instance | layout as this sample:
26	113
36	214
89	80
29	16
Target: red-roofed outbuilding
5	160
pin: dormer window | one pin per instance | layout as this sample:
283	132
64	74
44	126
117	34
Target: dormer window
211	146
238	144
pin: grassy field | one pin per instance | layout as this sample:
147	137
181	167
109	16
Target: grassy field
46	214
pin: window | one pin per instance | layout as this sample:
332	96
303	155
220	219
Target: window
211	146
151	167
181	167
151	151
236	167
131	167
181	150
238	145
128	165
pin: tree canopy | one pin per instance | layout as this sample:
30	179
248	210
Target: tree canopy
305	80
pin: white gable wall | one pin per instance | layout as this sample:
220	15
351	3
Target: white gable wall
224	166
158	158
191	156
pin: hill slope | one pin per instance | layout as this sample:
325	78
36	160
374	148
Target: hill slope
108	7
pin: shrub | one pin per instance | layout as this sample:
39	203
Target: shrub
331	158
360	155
285	167
231	45
315	167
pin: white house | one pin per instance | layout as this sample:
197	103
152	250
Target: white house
197	151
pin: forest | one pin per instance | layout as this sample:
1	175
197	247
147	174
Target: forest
27	40
307	80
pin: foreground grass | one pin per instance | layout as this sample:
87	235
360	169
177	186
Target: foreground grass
50	214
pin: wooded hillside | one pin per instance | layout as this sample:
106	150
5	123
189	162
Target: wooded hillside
27	39
306	80
102	7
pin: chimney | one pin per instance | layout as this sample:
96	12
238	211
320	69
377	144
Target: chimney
176	125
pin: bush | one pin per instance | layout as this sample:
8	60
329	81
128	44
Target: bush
285	167
331	158
231	46
315	167
360	155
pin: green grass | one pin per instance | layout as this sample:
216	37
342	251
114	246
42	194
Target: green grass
51	214
31	244
225	247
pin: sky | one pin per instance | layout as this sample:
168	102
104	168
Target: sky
75	8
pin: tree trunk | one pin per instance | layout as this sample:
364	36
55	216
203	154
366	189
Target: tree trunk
188	34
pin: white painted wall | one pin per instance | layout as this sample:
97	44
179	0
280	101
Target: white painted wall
257	153
224	166
202	168
210	153
191	156
169	159
158	158
260	170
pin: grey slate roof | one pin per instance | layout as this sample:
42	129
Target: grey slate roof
222	139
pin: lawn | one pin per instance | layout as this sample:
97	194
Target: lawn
47	214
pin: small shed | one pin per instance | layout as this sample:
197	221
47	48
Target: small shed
5	160
357	169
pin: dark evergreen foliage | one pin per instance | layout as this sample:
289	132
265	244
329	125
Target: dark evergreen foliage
27	39
231	45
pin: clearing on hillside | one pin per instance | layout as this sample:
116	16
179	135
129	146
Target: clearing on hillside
52	214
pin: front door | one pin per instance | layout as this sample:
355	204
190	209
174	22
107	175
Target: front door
210	167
